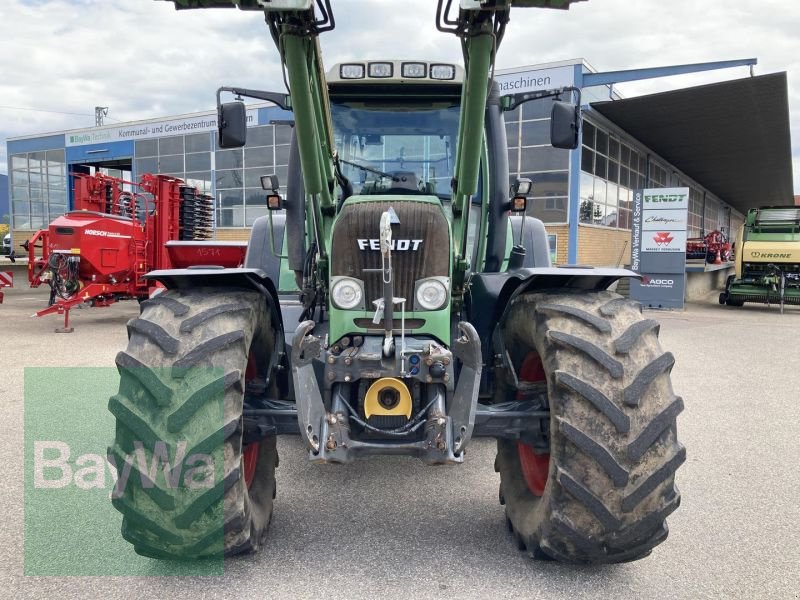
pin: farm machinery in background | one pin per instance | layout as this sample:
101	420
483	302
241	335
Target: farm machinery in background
715	248
767	259
117	232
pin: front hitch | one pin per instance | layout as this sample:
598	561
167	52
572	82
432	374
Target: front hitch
447	429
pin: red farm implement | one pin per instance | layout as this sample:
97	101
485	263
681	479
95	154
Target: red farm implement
119	231
714	248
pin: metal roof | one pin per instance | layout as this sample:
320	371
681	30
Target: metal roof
731	137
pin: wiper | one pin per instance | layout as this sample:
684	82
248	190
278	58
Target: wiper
370	169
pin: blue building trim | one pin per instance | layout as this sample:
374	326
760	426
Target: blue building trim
100	152
575	186
5	203
610	77
37	144
273	113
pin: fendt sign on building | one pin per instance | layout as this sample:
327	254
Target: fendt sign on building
658	242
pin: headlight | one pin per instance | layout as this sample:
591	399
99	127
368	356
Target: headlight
431	294
347	293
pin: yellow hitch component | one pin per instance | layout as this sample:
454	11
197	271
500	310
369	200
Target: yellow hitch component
388	396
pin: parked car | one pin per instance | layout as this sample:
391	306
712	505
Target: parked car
6	245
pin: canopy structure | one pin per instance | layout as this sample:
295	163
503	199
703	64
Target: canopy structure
731	137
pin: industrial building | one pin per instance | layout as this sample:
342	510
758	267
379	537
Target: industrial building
728	142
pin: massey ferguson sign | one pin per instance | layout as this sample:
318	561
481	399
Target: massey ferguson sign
659	246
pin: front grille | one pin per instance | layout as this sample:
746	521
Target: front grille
418	221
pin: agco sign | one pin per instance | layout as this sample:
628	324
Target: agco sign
653	282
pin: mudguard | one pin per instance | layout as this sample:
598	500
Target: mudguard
490	294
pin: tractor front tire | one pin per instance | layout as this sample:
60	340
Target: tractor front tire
613	449
183	378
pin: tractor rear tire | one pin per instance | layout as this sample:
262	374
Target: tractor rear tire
613	448
183	375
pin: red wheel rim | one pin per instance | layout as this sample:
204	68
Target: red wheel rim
250	453
535	467
250	460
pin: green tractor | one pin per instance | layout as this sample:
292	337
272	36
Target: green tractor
399	301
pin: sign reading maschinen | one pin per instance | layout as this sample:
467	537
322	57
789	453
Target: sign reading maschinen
659	246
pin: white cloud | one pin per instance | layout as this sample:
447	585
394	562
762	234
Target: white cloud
143	59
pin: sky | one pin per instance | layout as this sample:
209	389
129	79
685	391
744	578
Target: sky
142	59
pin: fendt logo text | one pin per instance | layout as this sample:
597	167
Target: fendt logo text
663	238
665	198
396	245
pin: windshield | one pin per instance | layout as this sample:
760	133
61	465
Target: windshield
397	149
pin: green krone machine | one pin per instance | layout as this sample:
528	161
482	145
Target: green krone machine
767	259
397	299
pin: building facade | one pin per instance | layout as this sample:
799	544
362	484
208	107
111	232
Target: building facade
583	196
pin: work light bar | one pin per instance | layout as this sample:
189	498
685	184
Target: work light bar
351	71
444	72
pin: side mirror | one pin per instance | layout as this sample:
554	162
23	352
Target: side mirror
232	124
564	124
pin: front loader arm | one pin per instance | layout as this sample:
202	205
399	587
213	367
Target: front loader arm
480	25
295	29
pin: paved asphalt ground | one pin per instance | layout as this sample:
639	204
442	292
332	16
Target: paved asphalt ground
393	528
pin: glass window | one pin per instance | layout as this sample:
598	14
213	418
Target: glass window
198	142
536	133
549	184
260	136
230	198
537	109
588	134
146	165
146	148
19	162
624	176
252	177
512	134
171	164
600	165
19	178
611	194
613	171
229	179
282	155
587	160
625	155
255	197
545	158
229	159
230	218
512	116
513	160
601	144
613	148
171	145
19	192
283	134
201	180
198	162
258	157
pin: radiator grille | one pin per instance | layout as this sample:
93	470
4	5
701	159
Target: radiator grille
418	221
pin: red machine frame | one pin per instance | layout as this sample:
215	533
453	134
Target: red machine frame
118	232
